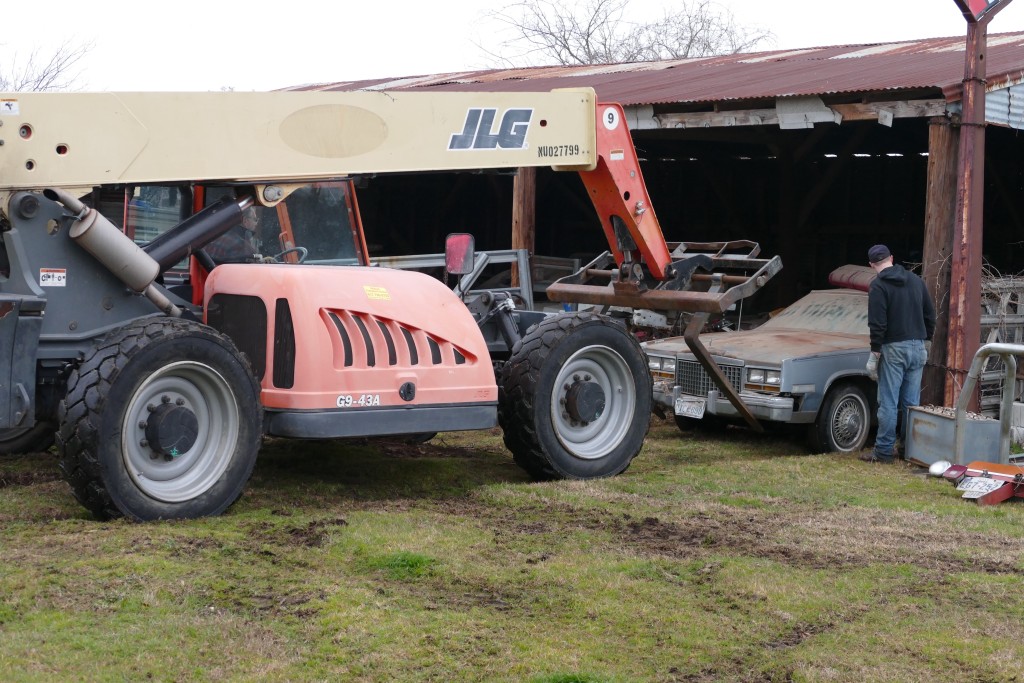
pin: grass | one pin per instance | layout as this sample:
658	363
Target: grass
728	557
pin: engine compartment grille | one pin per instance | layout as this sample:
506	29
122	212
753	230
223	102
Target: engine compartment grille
693	379
370	341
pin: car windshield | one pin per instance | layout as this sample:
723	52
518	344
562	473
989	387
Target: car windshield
841	311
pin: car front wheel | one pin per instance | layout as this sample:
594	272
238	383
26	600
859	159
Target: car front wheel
843	422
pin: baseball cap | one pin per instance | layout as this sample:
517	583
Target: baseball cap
877	253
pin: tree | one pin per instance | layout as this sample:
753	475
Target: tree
598	32
39	73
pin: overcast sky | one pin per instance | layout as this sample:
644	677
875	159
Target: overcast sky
260	45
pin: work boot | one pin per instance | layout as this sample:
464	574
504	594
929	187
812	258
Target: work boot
875	456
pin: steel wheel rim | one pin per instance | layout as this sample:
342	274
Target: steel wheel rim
12	433
610	371
849	421
209	396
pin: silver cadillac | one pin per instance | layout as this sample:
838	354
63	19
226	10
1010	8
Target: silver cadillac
804	366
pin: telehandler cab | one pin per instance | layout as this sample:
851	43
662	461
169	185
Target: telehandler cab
158	368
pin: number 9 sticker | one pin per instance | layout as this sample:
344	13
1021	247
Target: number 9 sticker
610	116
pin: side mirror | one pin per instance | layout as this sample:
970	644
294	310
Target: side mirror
459	253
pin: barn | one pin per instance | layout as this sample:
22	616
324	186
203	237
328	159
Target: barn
815	153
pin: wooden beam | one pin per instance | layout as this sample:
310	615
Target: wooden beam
940	209
908	109
873	111
725	119
524	214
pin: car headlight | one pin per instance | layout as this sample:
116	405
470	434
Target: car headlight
661	366
763	379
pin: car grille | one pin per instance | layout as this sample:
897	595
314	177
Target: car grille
694	380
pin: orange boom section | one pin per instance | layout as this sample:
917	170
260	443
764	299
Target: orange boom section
350	339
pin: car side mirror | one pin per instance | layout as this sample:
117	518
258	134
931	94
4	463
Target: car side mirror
459	253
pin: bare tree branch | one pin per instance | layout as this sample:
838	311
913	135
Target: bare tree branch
42	73
598	32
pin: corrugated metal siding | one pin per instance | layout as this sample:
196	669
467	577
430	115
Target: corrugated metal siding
1006	107
935	64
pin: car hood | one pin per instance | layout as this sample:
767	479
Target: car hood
766	346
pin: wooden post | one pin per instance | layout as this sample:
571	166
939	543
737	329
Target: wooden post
524	214
965	276
940	209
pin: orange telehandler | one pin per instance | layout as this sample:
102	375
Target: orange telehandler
159	391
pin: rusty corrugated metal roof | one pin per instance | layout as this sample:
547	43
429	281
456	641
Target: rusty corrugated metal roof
932	64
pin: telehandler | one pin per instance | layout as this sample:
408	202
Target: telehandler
158	369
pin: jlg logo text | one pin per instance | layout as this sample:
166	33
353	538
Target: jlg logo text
478	131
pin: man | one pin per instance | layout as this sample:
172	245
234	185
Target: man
239	244
901	319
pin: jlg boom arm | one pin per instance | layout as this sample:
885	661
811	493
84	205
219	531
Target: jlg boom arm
81	140
69	140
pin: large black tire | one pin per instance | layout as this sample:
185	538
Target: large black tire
574	399
35	439
843	423
161	420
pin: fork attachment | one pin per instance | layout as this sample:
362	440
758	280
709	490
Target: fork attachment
704	278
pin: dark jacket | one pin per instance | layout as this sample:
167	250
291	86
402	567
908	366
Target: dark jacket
899	308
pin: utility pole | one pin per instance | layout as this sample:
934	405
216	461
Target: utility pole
965	280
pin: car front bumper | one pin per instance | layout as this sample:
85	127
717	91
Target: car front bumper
763	407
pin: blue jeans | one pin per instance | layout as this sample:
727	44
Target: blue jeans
899	388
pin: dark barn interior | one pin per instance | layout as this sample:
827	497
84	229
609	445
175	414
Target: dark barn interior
815	153
817	197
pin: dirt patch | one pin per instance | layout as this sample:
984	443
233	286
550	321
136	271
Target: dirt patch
848	537
41	475
295	604
315	534
794	535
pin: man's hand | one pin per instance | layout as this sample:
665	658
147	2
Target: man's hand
872	366
927	348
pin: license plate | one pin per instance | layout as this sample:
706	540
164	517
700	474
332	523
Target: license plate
976	487
690	407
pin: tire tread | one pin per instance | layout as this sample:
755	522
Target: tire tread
80	411
517	386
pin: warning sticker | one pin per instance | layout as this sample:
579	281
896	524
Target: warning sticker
377	293
9	107
53	277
